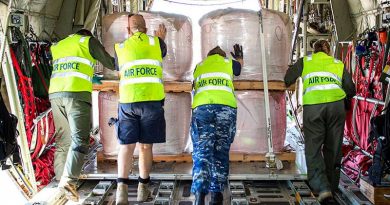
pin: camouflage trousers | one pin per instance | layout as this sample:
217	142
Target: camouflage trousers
213	128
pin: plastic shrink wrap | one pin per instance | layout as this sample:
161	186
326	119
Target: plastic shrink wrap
227	27
251	124
108	107
177	116
177	62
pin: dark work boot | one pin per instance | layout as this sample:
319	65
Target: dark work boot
199	198
216	198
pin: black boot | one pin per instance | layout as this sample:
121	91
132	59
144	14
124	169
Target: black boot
216	198
199	198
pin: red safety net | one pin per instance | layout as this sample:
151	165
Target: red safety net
39	129
366	74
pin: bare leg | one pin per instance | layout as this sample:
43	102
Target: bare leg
145	160
125	160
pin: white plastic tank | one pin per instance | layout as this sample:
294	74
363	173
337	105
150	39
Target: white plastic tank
226	27
177	62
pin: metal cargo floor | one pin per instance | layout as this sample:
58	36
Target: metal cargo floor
183	170
165	192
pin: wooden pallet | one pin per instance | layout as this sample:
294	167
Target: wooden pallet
376	194
234	157
113	85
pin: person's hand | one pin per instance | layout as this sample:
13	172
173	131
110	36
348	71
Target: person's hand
97	79
238	53
161	31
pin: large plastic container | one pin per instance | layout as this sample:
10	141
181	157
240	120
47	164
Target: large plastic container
108	107
177	62
114	31
226	27
251	123
177	116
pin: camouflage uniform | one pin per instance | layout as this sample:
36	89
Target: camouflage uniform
213	128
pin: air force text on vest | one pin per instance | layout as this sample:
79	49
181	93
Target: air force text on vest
140	71
321	79
66	66
213	81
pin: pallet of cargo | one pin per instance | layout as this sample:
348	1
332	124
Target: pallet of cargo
378	195
234	157
176	86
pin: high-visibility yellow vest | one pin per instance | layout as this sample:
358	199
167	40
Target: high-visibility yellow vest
140	64
213	82
322	79
72	65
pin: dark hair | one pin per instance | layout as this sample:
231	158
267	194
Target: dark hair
217	50
84	32
322	46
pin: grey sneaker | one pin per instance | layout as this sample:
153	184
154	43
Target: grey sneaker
143	192
324	195
70	192
122	192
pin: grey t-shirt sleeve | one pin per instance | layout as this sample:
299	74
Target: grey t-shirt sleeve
293	72
98	52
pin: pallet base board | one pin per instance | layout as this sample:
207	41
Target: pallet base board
175	86
376	194
234	157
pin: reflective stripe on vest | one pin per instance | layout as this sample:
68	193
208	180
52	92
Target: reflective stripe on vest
73	59
321	74
141	62
71	74
321	87
140	80
213	75
213	87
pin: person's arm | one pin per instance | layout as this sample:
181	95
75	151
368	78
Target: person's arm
98	52
161	32
348	85
238	62
293	72
116	62
236	68
163	47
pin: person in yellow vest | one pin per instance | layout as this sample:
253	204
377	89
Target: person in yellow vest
141	98
326	84
70	96
213	124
